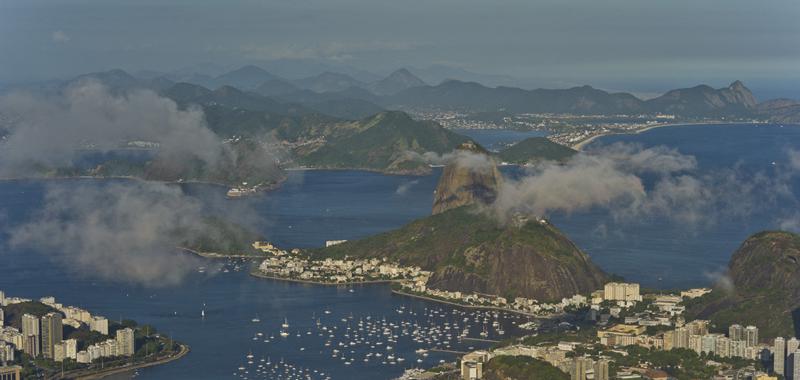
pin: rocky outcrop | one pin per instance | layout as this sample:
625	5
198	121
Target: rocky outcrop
704	101
768	261
512	264
762	287
471	177
780	110
470	251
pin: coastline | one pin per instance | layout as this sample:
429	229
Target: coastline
271	187
255	273
103	373
475	307
401	293
413	173
215	255
582	144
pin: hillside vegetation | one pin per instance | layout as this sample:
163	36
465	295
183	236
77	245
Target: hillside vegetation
765	292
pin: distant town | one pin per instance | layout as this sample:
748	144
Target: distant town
571	130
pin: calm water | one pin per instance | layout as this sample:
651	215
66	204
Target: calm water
663	253
323	205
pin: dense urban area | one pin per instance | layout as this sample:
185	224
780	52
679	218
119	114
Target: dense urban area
613	333
47	339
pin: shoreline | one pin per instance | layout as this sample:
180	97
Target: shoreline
402	293
475	307
582	144
271	187
215	255
103	373
368	170
312	282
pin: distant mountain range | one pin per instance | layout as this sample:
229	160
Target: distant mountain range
343	96
333	120
696	102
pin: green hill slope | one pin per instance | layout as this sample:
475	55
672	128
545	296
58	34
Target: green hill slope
534	149
469	251
383	142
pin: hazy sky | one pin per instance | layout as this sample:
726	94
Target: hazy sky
602	42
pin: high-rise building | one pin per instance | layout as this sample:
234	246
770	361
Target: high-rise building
620	291
736	332
30	335
751	336
30	325
52	333
71	348
579	367
723	347
10	372
738	348
30	345
792	345
59	352
795	374
601	369
697	327
2	298
2	317
779	356
99	324
680	338
125	342
6	352
696	343
709	343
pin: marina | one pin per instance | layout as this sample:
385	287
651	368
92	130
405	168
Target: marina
315	206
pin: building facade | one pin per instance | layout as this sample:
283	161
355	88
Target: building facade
52	334
779	356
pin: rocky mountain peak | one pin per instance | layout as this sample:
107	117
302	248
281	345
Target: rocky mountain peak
471	177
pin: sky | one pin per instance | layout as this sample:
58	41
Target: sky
633	45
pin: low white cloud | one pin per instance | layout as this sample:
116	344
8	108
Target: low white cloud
50	130
125	232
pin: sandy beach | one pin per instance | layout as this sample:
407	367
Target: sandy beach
579	146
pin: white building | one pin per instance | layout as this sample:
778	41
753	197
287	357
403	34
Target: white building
621	291
99	324
6	352
125	342
779	352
